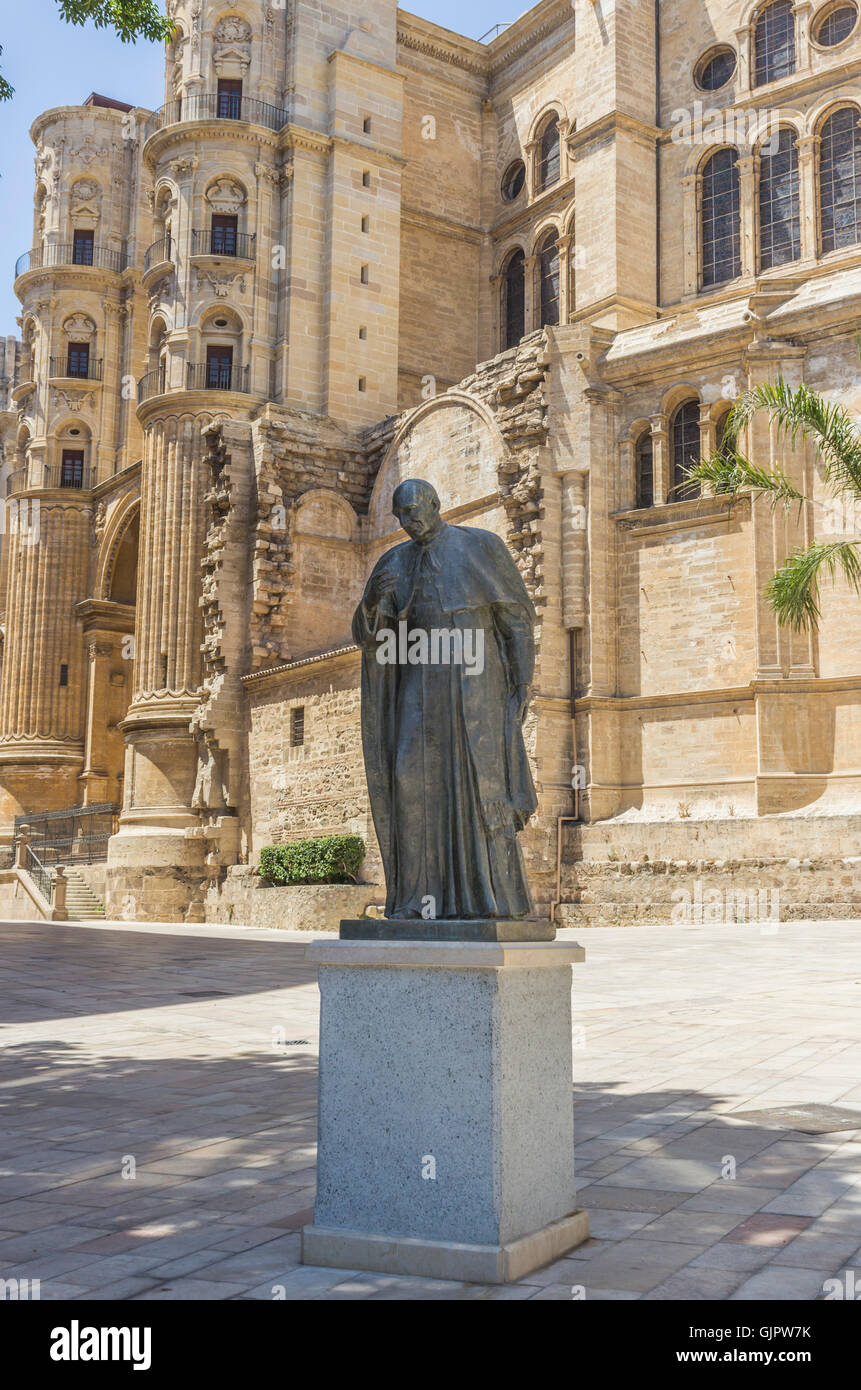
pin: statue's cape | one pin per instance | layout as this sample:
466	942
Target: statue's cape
473	571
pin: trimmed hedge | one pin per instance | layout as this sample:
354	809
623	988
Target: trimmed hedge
330	859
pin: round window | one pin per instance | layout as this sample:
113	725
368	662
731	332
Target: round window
836	26
220	323
513	180
715	69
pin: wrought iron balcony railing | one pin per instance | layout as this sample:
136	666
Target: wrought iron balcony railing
217	106
222	241
161	250
153	384
90	370
71	254
216	376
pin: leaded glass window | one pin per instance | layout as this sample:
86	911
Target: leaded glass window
840	179
721	228
774	43
548	274
779	218
686	449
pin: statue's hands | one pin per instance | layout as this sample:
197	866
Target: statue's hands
379	587
521	698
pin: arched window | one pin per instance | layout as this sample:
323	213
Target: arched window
644	465
685	437
779	219
548	279
840	179
774	43
549	160
721	228
513	300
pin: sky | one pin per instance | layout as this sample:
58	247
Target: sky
50	63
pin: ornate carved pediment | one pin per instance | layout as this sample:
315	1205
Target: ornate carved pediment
220	284
75	401
232	47
225	196
79	326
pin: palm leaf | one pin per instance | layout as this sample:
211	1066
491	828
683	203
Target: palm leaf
793	591
801	412
728	471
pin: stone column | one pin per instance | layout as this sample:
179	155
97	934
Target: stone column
531	312
691	203
808	162
566	295
574	532
743	48
95	774
661	463
157	857
748	168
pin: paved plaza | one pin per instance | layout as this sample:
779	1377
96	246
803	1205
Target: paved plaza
159	1093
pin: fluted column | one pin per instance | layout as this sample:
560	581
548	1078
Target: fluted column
43	678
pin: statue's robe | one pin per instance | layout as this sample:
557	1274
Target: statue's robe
447	771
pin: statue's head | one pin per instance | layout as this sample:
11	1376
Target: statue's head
416	505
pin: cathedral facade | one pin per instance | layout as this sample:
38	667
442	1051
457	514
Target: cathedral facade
352	247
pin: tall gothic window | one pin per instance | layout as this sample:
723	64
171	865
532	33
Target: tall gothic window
514	299
721	227
644	465
840	179
548	277
549	159
685	436
779	219
774	43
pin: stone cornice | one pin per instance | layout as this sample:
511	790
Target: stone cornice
442	226
420	36
612	123
107	114
526	31
337	654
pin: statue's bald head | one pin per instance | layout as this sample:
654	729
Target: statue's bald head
416	505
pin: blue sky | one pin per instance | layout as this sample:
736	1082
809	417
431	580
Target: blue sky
50	63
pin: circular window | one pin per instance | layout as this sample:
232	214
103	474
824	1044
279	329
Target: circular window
715	69
513	180
220	323
74	431
836	26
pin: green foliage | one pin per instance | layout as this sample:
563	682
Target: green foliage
798	413
330	859
132	19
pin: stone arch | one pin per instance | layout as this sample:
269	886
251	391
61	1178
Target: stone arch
547	112
819	113
454	442
677	395
125	515
310	514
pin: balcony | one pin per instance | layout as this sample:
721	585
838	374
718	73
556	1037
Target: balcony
153	384
217	106
75	477
160	253
216	376
75	371
224	242
72	255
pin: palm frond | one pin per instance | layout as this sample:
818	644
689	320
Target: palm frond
801	412
728	471
793	591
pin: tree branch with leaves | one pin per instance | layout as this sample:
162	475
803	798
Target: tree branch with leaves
132	19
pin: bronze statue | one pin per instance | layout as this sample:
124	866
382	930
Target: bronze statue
446	631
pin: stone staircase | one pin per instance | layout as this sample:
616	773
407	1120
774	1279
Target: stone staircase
82	905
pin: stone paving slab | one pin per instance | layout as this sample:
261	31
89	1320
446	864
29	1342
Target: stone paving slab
158	1094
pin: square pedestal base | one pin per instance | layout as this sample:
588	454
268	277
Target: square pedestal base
446	1124
444	1259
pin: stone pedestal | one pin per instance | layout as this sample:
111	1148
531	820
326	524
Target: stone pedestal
446	1131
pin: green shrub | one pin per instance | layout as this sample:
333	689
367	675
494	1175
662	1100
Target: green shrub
330	859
